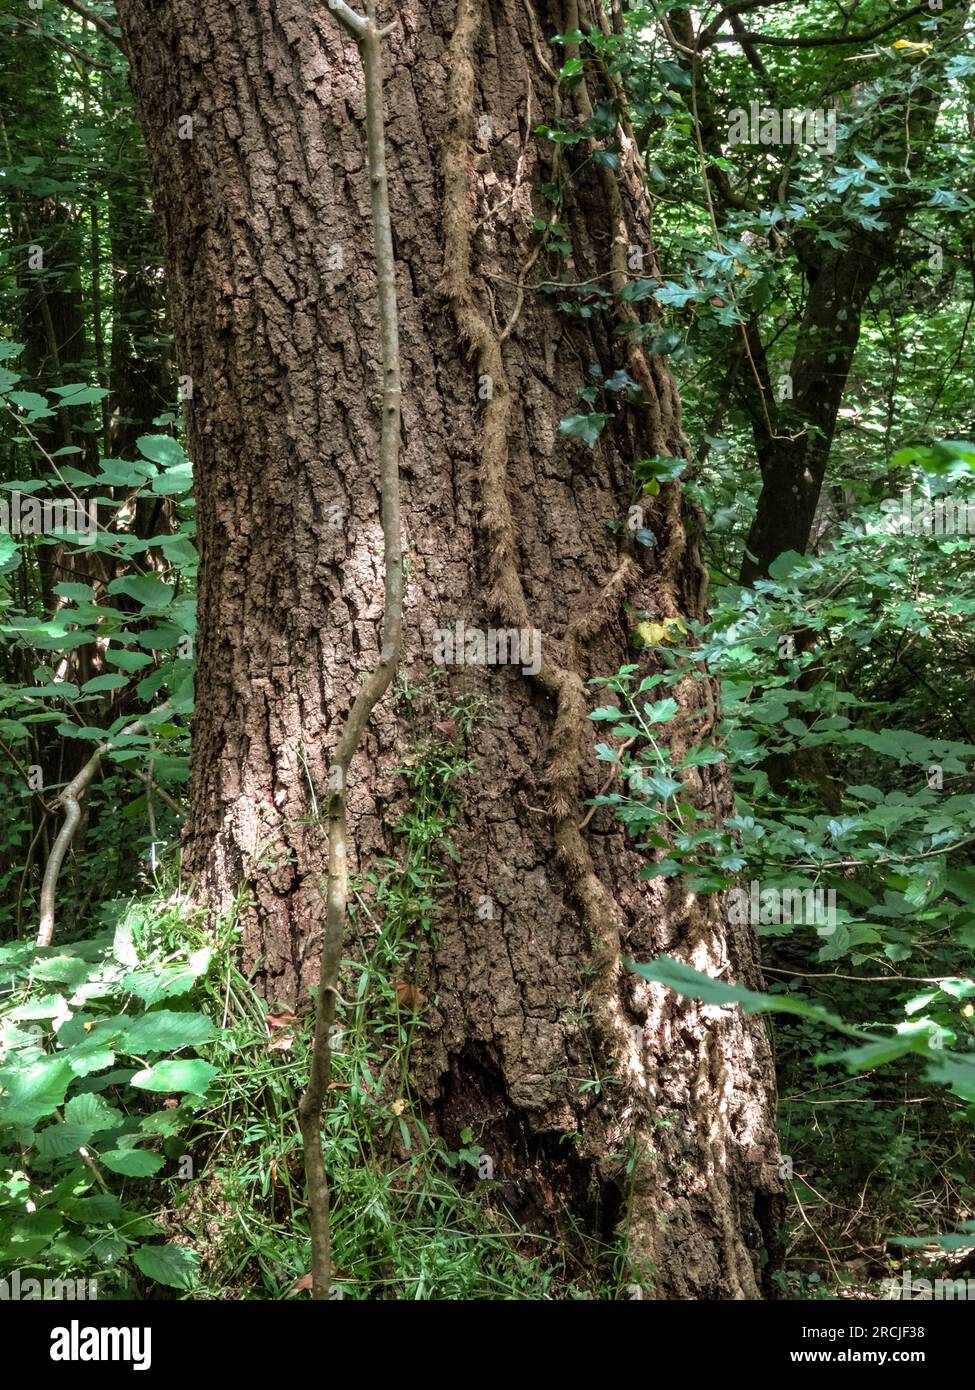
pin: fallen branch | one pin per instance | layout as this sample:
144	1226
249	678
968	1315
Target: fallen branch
368	36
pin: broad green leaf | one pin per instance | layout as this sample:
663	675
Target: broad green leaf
146	589
29	1093
119	473
29	401
55	1141
190	1075
168	981
177	1266
132	1163
79	393
87	1060
9	553
161	449
955	1071
126	660
165	1031
80	593
106	682
103	1207
785	563
682	979
173	481
92	1112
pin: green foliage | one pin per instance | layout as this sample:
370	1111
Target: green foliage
140	624
80	1137
846	717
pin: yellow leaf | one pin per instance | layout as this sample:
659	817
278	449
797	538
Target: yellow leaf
914	47
652	633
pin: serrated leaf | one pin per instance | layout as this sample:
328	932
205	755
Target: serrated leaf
32	1092
92	1112
176	1266
660	711
84	1061
132	1163
165	1030
58	1140
607	712
104	1206
169	981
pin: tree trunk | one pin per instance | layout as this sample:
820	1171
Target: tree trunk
140	382
793	439
793	454
265	214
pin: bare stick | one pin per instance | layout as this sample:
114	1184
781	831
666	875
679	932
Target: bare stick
70	798
368	35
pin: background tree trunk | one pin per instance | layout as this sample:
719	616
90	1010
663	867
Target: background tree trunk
265	218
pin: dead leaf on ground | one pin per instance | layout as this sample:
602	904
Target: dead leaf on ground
281	1020
408	995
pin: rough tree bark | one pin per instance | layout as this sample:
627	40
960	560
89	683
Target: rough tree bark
265	213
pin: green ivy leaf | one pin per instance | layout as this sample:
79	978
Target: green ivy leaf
588	428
